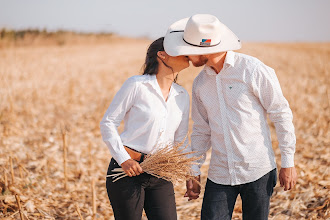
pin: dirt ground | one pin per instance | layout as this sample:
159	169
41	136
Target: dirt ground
47	90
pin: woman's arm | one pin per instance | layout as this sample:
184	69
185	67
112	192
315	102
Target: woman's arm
121	103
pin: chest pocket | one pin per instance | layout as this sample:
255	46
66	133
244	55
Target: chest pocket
237	94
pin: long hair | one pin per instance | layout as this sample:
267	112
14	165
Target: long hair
151	64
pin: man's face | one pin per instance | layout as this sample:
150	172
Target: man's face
198	60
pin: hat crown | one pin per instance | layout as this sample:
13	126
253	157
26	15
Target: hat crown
203	30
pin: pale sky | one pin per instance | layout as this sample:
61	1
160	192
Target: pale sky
250	20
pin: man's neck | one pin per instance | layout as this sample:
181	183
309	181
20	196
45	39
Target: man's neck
216	61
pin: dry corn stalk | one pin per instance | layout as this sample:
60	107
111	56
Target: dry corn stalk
93	198
168	162
19	206
63	132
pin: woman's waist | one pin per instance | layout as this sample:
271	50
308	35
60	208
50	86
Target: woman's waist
144	145
135	154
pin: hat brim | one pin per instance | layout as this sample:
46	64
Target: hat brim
174	44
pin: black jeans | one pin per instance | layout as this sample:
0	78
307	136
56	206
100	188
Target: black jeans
219	200
129	195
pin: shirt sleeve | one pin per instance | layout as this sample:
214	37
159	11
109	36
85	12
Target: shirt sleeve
181	133
267	88
121	103
201	134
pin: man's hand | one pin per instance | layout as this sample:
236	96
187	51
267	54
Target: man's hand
288	178
131	168
193	188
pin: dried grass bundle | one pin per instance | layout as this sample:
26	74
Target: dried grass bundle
168	162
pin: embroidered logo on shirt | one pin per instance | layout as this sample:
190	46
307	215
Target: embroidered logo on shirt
230	87
205	42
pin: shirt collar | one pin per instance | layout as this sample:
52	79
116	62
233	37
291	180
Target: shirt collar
152	80
229	60
177	89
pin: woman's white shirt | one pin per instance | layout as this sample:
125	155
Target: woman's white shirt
149	120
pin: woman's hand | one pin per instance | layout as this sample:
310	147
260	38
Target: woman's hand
131	168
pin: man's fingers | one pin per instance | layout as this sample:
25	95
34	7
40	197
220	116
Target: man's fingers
281	181
287	186
190	184
192	195
288	177
293	183
193	189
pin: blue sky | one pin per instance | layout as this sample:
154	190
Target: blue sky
250	20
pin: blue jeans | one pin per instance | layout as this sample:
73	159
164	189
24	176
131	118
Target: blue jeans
219	200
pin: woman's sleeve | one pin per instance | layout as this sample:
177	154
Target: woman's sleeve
121	103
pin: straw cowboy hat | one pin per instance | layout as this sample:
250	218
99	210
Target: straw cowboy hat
200	34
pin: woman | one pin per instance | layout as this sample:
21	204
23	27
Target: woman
155	110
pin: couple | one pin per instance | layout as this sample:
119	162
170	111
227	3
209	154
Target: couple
231	99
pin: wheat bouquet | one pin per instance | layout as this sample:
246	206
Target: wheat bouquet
168	162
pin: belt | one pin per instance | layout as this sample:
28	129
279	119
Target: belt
135	155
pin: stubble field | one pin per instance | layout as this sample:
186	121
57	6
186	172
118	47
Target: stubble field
55	91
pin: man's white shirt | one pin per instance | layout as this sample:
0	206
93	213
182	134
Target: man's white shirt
229	110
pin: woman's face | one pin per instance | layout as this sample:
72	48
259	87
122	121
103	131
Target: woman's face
178	63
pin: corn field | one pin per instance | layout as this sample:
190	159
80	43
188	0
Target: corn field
53	94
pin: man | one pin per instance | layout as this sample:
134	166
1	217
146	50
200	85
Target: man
231	99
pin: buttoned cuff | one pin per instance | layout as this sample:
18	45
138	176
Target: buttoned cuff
287	160
121	158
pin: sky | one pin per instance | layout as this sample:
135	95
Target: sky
250	20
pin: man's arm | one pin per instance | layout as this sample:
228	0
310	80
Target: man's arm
200	141
267	88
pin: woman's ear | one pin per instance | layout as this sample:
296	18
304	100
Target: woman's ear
161	55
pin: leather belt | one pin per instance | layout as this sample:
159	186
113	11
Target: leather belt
135	155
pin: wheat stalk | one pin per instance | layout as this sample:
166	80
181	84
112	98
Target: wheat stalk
168	162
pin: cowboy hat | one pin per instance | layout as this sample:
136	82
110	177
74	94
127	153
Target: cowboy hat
200	34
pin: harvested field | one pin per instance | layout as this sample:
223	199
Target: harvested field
53	96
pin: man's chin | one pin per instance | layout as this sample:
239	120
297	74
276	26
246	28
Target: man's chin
198	64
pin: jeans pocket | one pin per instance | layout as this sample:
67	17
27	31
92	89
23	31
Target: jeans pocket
112	165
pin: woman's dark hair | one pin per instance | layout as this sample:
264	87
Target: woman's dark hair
151	64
